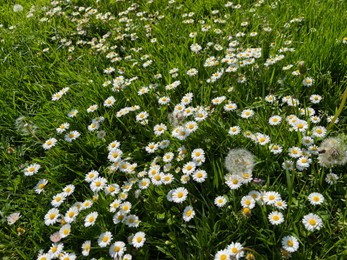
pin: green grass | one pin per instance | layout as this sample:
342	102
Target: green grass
42	54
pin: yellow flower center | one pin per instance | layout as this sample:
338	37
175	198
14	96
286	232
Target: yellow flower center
139	239
105	239
316	198
180	194
91	219
312	222
189	213
290	243
41	186
116	249
71	214
276	217
66	232
98	183
234	250
235	181
49	142
271	197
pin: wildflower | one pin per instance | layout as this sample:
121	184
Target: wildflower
230	107
58	199
72	113
290	244
295	152
280	204
151	147
132	221
68	190
163	100
199	176
276	218
303	163
92	108
332	151
67	256
312	222
125	207
188	213
44	256
49	143
159	129
315	99
56	249
115	155
247	113
271	197
192	72
189	168
331	178
247	202
52	216
239	160
179	195
86	204
275	148
90	219
275	120
315	198
117	249
222	255
105	239
319	131
308	82
233	181
115	205
73	135
98	184
65	230
71	214
32	169
262	139
109	102
220	201
90	176
62	128
255	195
288	165
195	48
39	187
191	127
234	130
86	248
11	219
235	250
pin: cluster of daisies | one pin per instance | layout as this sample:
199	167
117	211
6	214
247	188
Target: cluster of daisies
173	166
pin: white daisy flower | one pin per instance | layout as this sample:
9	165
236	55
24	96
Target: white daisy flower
105	239
52	216
117	249
188	213
290	244
220	201
90	219
315	198
138	239
32	169
312	222
276	218
49	143
179	195
86	248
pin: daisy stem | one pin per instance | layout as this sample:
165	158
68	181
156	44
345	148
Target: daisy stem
290	186
342	104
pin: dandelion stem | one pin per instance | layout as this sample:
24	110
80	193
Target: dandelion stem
342	104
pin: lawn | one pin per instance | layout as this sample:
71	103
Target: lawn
156	129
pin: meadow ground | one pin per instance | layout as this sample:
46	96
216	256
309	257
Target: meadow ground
173	129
